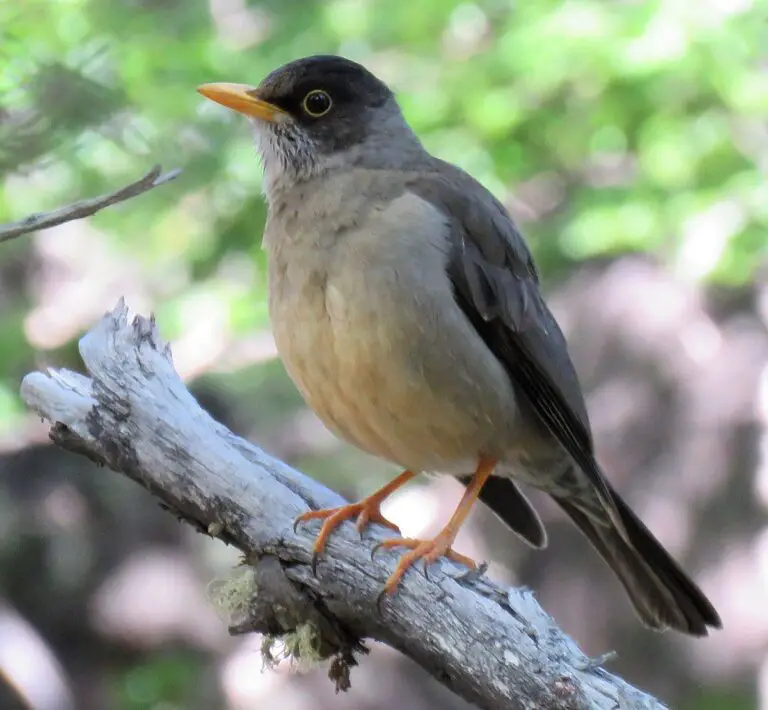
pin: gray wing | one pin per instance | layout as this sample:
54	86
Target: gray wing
497	286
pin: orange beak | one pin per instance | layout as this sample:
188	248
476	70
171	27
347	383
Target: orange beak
243	99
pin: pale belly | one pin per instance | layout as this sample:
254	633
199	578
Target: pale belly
402	375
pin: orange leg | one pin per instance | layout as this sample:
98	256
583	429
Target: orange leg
440	545
366	511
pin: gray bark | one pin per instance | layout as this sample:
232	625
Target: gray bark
495	647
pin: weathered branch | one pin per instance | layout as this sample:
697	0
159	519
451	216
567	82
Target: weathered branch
493	646
85	208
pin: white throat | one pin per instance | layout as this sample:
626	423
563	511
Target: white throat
285	161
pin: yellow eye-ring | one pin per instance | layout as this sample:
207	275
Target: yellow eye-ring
317	103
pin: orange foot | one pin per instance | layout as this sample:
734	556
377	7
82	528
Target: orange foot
428	550
431	550
366	511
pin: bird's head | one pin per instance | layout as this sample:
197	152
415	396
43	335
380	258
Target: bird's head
316	113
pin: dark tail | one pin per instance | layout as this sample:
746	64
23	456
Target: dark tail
509	504
663	595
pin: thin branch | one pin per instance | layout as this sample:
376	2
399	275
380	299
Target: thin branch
495	647
85	208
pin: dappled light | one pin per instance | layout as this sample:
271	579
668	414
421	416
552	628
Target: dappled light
629	141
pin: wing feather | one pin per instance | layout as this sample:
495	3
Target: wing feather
497	286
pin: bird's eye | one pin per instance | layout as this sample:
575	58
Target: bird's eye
317	103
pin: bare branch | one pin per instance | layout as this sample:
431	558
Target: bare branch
495	647
85	208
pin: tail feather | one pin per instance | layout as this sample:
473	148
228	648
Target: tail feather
662	594
509	504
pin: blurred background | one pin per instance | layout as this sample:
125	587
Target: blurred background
630	142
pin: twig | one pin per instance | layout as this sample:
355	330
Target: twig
85	208
495	647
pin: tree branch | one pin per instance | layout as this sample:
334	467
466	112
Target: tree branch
85	208
495	647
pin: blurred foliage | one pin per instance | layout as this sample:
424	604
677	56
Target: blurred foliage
606	127
618	126
714	700
629	120
162	680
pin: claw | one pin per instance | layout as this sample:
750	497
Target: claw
382	595
431	550
365	512
315	560
425	571
375	549
427	550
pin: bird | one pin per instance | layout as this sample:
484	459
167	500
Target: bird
408	311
